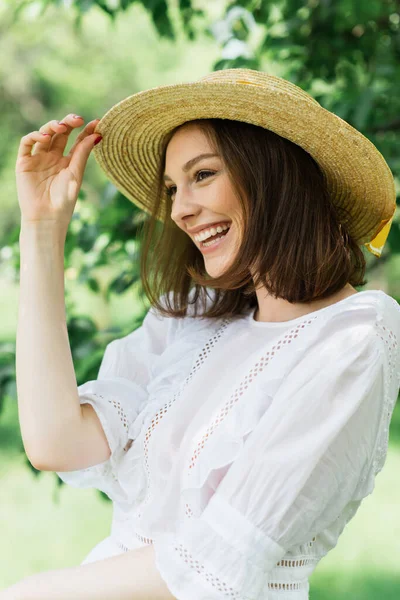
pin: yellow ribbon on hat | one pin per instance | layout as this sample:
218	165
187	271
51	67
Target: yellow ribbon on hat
376	245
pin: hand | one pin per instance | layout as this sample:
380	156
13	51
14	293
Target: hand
48	182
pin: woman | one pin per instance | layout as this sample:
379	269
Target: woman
236	441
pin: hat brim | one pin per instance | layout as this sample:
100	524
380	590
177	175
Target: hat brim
358	178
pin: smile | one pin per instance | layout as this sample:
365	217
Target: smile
215	244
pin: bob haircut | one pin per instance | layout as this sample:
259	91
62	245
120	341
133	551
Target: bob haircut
292	242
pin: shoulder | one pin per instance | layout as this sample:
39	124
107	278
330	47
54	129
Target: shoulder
382	313
388	313
364	327
373	309
354	327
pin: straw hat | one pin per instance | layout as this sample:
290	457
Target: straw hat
358	178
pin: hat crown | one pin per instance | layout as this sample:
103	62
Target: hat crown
243	76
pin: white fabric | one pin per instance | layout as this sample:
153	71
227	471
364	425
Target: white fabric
254	443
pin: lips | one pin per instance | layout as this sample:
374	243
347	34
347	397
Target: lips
211	237
210	226
214	247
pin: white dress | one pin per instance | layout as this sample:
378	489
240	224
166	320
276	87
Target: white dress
254	443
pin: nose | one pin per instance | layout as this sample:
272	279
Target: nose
183	205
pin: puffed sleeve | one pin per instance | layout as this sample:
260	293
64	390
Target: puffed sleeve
293	475
119	394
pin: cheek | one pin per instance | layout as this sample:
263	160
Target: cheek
225	196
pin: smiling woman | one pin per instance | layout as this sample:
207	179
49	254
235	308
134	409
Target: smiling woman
284	231
239	448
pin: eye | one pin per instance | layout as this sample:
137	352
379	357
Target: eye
169	191
201	172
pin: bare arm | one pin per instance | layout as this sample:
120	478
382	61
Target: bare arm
57	434
48	401
129	576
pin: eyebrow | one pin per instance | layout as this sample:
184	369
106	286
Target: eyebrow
191	163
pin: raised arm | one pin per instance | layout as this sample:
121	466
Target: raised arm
57	434
54	428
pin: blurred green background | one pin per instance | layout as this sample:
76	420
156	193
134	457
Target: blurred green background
83	56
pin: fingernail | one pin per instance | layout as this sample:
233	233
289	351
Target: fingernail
98	139
77	117
61	123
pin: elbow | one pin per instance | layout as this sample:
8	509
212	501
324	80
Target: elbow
39	464
37	460
42	459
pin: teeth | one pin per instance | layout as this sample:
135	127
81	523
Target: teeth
204	235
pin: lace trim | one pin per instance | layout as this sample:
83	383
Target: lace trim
121	546
392	345
298	562
117	405
162	411
105	467
228	591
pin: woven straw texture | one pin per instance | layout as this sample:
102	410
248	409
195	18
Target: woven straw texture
358	177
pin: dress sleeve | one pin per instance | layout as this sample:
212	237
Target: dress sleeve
294	474
119	394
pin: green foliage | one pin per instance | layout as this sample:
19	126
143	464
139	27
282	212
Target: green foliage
158	10
7	371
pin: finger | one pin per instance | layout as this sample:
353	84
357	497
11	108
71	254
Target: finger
52	127
60	140
89	129
80	156
28	141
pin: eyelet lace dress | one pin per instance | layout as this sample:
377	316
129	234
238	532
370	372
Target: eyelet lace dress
241	449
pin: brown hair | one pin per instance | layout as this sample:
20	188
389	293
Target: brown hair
291	234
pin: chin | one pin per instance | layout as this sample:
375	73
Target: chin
216	267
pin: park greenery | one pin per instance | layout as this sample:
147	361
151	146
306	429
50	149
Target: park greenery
83	56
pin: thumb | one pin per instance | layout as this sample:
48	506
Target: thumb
81	155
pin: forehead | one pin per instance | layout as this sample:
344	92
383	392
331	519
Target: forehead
185	139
